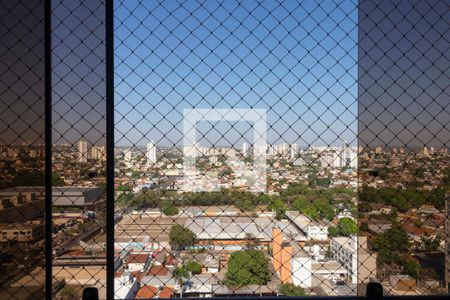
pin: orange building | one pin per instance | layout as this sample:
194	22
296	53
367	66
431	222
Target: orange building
282	256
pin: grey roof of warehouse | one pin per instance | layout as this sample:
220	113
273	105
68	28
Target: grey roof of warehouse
13	191
61	195
303	221
240	228
76	196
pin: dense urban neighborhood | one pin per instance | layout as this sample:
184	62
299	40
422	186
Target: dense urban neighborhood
331	220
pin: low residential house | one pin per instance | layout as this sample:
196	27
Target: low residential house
427	209
416	233
199	286
137	262
22	232
379	228
146	292
383	210
210	264
314	230
125	286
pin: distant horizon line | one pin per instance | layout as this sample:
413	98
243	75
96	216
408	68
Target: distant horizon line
231	146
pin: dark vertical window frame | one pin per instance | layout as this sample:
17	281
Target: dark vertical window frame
48	149
109	27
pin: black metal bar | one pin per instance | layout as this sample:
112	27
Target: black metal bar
48	149
109	24
90	293
374	290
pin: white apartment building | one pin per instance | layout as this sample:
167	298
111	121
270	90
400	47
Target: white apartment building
330	159
98	153
151	153
294	151
82	151
349	156
309	273
352	253
127	155
244	149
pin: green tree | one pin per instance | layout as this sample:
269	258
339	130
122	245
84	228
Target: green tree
295	189
170	210
304	206
437	198
247	267
364	227
28	178
180	237
389	244
194	267
400	202
446	179
323	182
412	268
324	207
180	274
56	180
289	289
277	205
333	231
428	243
364	207
125	198
347	227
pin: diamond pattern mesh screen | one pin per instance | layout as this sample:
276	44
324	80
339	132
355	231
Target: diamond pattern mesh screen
404	138
22	274
207	96
79	153
261	148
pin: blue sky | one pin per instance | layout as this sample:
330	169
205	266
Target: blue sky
297	61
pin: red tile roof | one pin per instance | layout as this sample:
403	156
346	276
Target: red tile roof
137	258
166	293
158	270
411	229
146	292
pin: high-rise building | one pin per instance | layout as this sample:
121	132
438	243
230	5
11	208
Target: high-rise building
282	149
330	159
127	154
245	149
98	153
260	150
271	150
294	151
349	156
82	151
151	153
